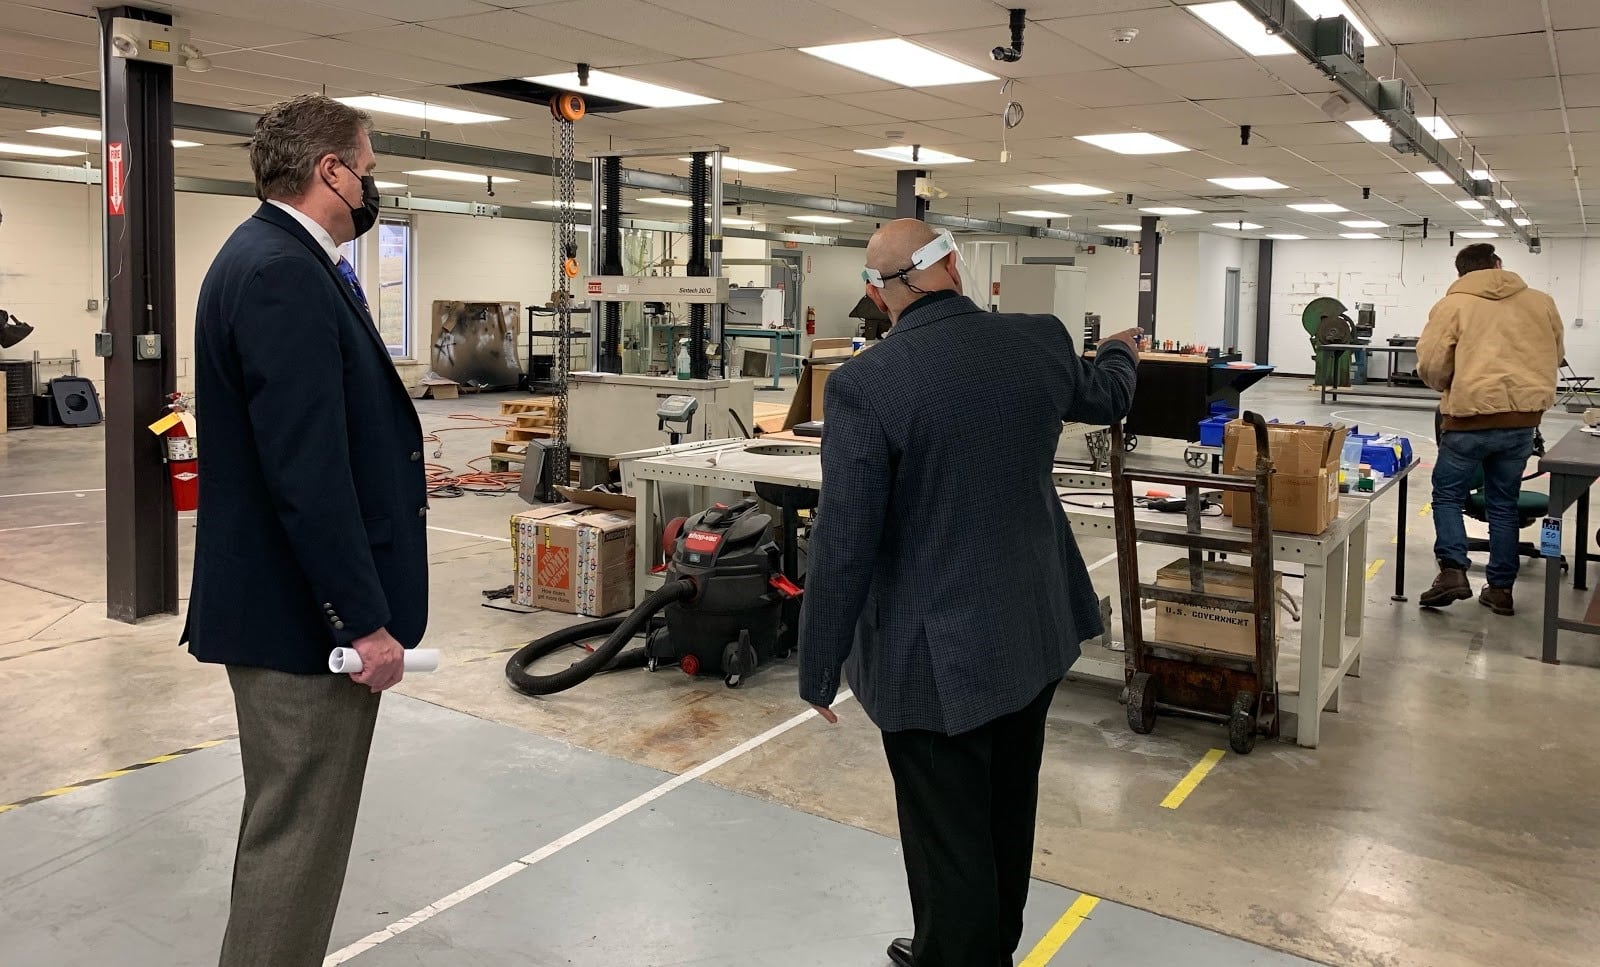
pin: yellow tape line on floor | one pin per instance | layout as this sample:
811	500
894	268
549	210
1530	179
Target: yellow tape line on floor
1186	785
1373	569
1047	948
113	774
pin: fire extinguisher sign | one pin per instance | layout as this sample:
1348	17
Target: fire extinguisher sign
116	179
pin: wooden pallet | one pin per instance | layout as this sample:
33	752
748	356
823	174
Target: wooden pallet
532	404
535	419
522	434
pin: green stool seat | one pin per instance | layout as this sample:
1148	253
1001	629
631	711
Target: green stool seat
1531	505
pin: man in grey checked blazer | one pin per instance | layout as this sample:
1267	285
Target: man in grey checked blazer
943	581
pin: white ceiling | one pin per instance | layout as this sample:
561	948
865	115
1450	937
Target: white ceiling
1491	64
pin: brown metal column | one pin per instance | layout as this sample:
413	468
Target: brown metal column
136	158
1149	265
1263	353
907	203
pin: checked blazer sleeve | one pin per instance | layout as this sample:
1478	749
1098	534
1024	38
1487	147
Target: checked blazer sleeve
857	475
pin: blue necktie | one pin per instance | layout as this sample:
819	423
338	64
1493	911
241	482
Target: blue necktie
348	273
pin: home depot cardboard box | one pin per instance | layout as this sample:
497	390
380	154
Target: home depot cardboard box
1212	629
1304	491
575	557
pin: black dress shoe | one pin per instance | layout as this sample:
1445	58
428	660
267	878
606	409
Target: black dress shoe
900	953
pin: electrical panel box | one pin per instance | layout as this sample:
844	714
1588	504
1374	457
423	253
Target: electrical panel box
102	344
1339	46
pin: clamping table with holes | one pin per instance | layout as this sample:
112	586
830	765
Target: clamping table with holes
1334	563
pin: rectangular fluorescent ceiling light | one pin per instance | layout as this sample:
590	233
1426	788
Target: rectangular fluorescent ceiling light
581	206
737	222
1133	142
1506	202
619	88
1238	226
1378	131
7	147
748	167
1288	238
1319	208
1494	223
925	156
1240	26
1434	177
1170	210
1524	222
93	134
380	104
1483	174
1123	228
901	62
1477	235
1247	184
1364	224
668	202
819	219
1072	189
1358	235
1471	205
445	174
1036	213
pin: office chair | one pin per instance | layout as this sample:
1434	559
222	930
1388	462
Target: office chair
1532	506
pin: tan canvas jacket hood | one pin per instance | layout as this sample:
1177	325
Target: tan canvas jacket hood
1492	345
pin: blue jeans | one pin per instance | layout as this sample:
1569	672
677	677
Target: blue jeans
1501	456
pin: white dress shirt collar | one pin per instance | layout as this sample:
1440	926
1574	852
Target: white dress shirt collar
318	233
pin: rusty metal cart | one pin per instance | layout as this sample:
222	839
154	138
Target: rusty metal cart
1239	690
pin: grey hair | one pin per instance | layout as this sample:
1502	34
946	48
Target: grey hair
293	136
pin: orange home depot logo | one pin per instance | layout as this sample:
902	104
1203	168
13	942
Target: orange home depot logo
555	567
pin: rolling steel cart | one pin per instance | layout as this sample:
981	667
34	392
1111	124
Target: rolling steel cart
1239	690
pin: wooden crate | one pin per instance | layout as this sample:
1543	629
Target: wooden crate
531	404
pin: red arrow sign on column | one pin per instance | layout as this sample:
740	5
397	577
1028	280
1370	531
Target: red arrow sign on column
114	181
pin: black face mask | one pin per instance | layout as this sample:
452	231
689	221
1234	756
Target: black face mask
366	216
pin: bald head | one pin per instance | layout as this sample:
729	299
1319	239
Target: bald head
890	251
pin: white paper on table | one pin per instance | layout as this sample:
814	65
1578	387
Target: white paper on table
347	661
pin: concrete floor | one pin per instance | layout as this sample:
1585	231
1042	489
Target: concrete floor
1446	818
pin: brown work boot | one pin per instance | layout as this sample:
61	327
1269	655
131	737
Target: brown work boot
1498	600
1449	587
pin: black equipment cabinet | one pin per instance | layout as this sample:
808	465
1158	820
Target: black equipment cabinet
1174	395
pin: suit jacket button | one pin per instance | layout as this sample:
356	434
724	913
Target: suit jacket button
422	511
328	605
416	456
338	625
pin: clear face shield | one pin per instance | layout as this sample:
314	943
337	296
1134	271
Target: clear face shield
925	257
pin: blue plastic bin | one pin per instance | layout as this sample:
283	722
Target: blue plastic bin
1213	430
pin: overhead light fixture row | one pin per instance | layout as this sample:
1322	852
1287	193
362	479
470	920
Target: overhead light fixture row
1073	188
1238	226
819	219
1318	208
1243	30
1132	142
747	167
1038	213
1248	184
446	174
925	156
1170	210
900	62
422	110
625	89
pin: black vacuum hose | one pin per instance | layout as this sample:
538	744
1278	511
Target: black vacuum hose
621	631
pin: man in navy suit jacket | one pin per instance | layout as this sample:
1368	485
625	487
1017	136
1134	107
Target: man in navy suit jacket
944	580
312	523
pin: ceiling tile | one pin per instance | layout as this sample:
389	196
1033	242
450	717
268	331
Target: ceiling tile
1043	52
1410	22
308	16
413	11
211	31
781	23
1574	14
1578	49
1582	90
40	22
1496	58
1478	126
1294	135
803	71
825	110
1232	78
907	105
83	56
1110	88
708	81
648	25
924	16
1167	35
1282	109
1494	97
346	55
305	75
522	34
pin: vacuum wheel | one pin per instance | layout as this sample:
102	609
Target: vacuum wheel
738	661
1130	442
1142	703
1242	723
1194	458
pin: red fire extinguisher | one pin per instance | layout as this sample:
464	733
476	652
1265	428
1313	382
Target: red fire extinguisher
181	454
811	321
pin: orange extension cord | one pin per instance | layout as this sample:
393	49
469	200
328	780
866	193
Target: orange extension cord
443	481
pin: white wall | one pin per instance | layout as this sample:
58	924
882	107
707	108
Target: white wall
1404	280
833	286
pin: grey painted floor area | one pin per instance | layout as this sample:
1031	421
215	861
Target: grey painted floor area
134	871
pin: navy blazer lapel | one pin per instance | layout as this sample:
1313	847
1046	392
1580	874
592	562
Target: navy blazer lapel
276	216
921	314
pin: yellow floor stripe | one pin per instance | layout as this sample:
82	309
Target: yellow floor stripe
114	773
1394	538
7	808
1047	948
1425	511
160	759
1186	785
1373	569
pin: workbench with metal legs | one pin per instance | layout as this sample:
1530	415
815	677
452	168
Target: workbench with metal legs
1334	562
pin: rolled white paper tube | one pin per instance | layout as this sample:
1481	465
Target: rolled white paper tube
347	661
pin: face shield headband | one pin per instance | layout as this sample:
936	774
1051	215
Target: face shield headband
923	258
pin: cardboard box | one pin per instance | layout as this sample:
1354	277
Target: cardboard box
1304	491
1211	629
807	404
575	557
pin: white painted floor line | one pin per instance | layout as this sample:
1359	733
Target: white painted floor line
40	527
57	493
583	832
1097	565
481	537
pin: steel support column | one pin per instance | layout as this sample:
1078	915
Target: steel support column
1149	264
907	203
1263	349
141	527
